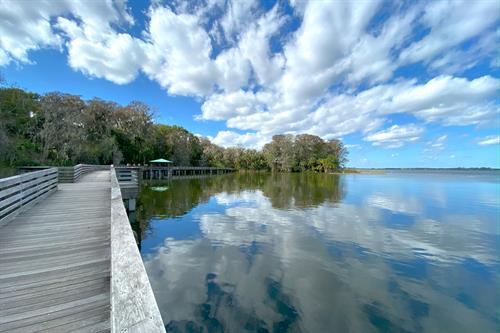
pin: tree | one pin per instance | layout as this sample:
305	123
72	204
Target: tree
304	152
176	144
308	149
133	132
62	131
255	160
280	152
336	148
17	126
212	155
99	145
327	164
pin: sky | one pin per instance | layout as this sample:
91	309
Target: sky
403	83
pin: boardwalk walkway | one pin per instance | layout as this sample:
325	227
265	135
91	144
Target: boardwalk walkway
55	261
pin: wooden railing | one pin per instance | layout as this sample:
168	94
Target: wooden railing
127	174
166	172
197	168
133	304
20	192
73	174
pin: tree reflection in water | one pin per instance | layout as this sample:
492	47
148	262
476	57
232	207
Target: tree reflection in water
284	190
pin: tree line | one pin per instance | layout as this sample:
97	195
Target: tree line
61	129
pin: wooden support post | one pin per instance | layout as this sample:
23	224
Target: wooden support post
131	204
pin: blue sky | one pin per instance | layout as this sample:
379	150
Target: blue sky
403	84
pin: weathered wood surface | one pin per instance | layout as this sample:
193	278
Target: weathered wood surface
128	178
55	261
134	307
19	193
69	174
74	173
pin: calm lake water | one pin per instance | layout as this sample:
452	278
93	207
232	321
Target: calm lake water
399	252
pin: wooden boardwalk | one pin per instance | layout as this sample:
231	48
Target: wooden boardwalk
55	261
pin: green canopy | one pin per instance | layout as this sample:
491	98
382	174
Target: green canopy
160	160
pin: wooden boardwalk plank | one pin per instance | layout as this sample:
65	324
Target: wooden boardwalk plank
53	297
19	284
55	315
55	261
34	288
54	250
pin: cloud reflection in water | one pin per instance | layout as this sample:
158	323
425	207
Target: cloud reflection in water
259	264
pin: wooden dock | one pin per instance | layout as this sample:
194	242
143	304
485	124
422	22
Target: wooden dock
158	172
59	271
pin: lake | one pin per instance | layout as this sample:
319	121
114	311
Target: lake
261	252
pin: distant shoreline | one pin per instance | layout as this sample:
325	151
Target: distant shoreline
380	171
426	169
358	171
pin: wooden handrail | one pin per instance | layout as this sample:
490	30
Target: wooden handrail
18	193
73	174
133	305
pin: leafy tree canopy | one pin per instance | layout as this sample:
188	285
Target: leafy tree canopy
62	129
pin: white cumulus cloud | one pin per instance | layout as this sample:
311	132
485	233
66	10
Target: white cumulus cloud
396	136
489	140
233	139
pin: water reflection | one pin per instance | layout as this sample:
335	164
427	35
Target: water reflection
298	253
283	191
